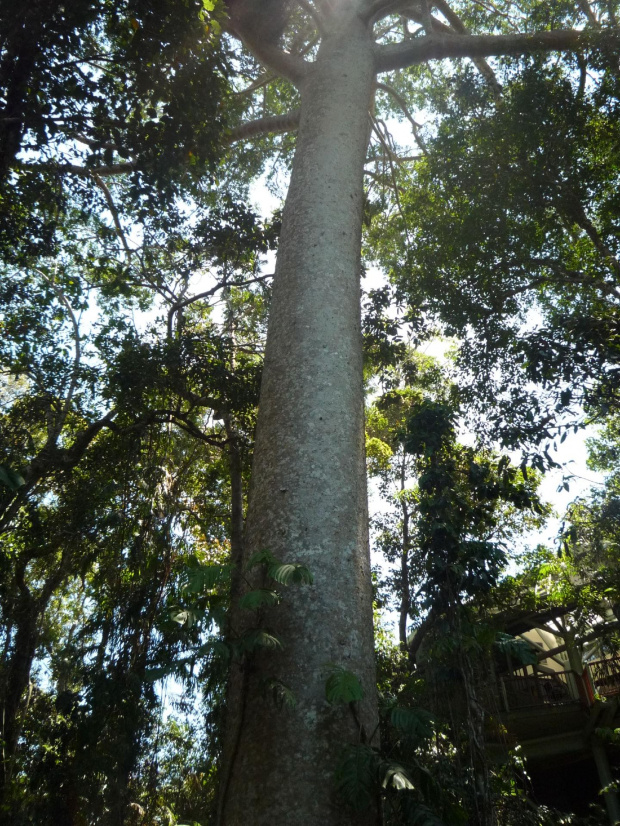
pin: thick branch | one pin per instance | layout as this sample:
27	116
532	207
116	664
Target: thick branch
417	638
274	125
570	207
282	63
51	459
441	47
426	18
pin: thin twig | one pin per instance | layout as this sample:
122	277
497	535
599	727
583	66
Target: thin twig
185	302
394	181
415	126
114	212
489	6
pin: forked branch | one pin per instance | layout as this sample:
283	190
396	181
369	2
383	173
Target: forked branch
270	56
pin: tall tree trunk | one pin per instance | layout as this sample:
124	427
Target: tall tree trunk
308	494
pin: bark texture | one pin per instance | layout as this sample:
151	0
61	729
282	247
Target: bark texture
308	497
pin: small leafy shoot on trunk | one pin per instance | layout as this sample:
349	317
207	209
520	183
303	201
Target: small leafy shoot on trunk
342	686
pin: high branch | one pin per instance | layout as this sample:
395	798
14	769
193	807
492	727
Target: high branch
441	35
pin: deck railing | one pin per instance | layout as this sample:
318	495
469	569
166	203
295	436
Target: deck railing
521	691
531	690
605	676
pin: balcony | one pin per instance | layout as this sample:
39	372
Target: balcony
605	676
535	690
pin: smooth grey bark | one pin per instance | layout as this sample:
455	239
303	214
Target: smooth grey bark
308	501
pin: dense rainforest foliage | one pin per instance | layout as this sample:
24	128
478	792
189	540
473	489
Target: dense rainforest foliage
135	289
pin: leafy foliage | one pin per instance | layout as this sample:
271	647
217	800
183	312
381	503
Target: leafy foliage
356	776
290	573
342	686
413	722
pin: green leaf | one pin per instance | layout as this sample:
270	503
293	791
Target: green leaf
414	722
289	573
283	573
282	695
257	599
216	647
186	616
258	638
356	776
151	675
519	649
342	686
199	578
396	777
264	557
11	478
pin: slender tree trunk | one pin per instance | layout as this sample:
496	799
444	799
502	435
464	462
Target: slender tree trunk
17	678
26	621
404	560
308	496
235	465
